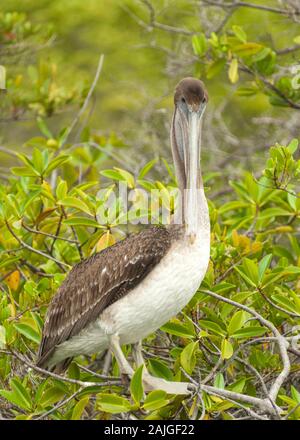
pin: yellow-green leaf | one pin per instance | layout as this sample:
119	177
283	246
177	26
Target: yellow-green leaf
233	72
136	385
112	403
79	408
155	400
188	357
226	349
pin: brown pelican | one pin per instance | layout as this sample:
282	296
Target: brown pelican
127	291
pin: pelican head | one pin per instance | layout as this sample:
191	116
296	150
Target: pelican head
190	101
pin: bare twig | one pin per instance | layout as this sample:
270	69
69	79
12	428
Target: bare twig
57	376
85	104
79	114
155	24
282	342
59	405
46	234
238	4
36	251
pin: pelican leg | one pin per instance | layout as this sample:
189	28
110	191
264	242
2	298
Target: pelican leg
115	347
137	354
150	382
155	383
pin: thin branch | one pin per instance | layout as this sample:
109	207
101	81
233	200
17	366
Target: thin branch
282	342
288	50
36	251
79	114
7	151
55	236
271	87
85	104
57	376
281	309
100	376
35	270
155	24
59	405
238	4
78	246
292	411
233	397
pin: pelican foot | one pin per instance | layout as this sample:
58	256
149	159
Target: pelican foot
152	383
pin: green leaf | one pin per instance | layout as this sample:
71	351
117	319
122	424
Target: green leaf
297	39
247	49
213	326
159	369
249	332
233	71
237	386
295	394
246	91
55	163
239	33
72	202
136	385
44	129
274	212
8	261
2	78
24	172
178	329
111	174
146	168
119	174
51	396
232	206
219	381
155	400
226	349
215	67
263	266
285	302
199	44
79	408
236	322
223	287
251	269
2	337
61	190
128	177
111	403
28	162
293	146
38	160
188	357
21	393
241	272
82	221
28	331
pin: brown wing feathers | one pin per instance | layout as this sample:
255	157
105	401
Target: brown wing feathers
94	284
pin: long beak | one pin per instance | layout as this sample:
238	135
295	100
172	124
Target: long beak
186	145
192	149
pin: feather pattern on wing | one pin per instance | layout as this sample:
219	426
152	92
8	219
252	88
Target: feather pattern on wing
94	284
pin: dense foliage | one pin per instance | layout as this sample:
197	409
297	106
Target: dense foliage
238	338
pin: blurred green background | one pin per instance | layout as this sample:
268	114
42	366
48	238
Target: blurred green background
143	64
